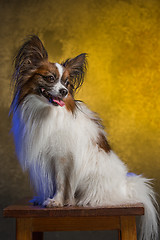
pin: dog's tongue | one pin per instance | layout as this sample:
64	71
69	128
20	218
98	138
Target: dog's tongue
59	102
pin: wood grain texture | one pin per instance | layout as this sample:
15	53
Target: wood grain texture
128	228
20	211
76	224
24	229
32	221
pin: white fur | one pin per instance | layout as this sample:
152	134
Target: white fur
58	148
55	89
60	69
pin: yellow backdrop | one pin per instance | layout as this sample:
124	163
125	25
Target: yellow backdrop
122	39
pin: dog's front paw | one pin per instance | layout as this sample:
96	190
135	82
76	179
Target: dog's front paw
70	202
36	201
52	202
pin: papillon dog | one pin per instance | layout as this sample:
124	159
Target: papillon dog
62	143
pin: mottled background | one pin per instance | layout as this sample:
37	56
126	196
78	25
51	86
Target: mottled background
122	39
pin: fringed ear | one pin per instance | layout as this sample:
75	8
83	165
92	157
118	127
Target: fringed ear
29	57
77	67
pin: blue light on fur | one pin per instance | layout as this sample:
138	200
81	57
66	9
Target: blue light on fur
44	185
38	200
42	180
131	174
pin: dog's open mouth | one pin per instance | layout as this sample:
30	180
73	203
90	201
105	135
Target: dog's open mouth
55	100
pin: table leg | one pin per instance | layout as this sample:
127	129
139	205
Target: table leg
24	229
128	228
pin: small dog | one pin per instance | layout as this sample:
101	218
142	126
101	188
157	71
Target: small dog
62	143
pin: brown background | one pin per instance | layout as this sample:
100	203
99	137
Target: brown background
122	39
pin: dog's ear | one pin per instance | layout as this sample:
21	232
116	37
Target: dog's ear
31	52
29	56
28	59
76	67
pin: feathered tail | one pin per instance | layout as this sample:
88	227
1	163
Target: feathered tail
140	190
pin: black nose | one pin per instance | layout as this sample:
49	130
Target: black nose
63	92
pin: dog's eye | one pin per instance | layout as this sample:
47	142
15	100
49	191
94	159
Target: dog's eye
50	78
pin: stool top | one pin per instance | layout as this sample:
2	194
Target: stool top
26	209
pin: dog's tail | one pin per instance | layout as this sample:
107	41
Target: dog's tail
140	189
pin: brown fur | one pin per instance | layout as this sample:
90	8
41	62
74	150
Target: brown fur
32	70
103	144
70	103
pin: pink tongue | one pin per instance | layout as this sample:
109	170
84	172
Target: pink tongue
59	102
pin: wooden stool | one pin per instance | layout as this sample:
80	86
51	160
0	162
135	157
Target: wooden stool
32	221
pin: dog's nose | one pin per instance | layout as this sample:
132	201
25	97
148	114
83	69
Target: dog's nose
63	92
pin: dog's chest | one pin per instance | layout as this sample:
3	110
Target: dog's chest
70	132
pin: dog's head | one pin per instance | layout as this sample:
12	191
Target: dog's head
34	74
